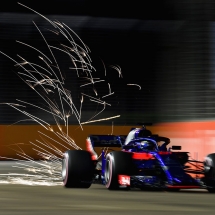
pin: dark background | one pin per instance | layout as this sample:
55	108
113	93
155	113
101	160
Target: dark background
166	47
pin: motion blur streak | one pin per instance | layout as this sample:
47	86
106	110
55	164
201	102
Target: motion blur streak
198	138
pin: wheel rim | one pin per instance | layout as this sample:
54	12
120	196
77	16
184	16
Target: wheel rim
107	171
64	167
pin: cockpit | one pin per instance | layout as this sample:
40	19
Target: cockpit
137	133
142	139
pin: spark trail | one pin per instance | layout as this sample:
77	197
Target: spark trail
47	80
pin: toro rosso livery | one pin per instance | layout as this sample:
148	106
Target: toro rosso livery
140	160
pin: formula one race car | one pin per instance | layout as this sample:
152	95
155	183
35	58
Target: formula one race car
139	160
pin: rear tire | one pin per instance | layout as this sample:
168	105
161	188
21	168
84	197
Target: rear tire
77	169
209	168
117	163
211	190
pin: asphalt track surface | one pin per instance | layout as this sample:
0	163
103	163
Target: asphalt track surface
56	200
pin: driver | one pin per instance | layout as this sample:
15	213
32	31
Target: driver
146	145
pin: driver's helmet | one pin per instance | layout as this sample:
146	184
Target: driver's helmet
147	145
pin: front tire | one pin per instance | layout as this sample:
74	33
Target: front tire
77	169
117	163
209	168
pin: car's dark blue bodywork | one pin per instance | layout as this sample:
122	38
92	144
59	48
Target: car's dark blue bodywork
151	163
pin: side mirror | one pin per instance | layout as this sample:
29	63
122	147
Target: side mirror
176	147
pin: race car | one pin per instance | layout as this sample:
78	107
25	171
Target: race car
137	160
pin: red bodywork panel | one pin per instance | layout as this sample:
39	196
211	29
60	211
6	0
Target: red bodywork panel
142	156
90	149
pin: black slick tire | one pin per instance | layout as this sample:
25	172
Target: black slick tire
209	169
117	163
77	169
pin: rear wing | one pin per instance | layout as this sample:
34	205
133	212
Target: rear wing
107	140
94	144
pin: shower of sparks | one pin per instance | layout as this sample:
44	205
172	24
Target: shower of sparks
100	120
46	80
118	69
135	85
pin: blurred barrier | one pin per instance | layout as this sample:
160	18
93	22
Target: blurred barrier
18	141
198	138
